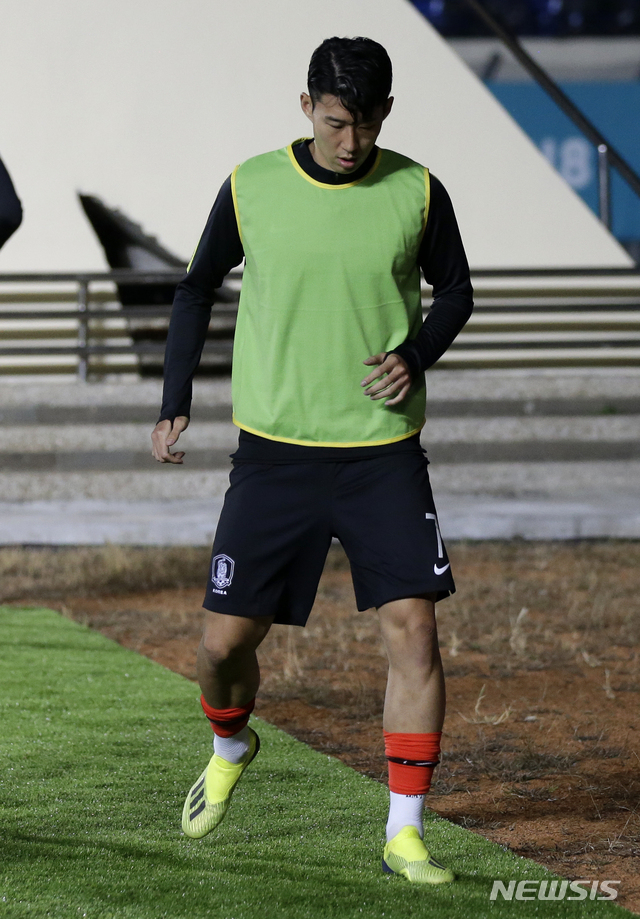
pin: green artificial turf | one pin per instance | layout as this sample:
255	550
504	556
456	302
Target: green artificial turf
97	750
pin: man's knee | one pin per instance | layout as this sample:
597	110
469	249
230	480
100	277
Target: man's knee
226	638
409	629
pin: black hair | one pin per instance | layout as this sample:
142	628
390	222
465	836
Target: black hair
356	70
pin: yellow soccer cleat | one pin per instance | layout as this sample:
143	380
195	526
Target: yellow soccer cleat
407	855
208	800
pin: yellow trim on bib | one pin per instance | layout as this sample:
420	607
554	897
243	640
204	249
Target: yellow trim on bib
234	195
192	258
304	175
315	443
427	199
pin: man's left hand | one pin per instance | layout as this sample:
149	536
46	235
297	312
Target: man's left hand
392	376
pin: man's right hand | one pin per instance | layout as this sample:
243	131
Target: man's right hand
164	436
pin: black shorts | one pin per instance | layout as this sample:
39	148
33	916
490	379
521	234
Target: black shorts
278	521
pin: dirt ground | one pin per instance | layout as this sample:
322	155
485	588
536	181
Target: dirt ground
541	648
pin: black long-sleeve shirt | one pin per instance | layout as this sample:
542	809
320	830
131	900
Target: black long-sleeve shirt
10	207
441	258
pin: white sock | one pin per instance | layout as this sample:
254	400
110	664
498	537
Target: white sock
234	748
404	810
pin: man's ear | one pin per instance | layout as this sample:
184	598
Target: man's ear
306	104
387	107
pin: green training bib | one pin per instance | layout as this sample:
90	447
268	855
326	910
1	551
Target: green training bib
331	277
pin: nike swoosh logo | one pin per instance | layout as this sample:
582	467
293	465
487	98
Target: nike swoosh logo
441	570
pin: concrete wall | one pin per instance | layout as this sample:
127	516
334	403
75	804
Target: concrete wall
151	104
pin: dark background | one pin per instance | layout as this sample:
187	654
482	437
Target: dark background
560	18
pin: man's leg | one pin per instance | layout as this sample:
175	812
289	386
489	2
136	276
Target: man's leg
229	678
412	722
228	670
415	697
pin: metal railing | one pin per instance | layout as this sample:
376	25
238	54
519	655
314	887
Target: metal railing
82	314
74	323
532	318
607	155
89	304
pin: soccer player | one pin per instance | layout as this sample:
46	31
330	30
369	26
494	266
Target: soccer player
334	232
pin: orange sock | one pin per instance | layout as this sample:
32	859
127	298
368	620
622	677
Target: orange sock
227	721
412	759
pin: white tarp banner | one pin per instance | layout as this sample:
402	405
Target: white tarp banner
149	104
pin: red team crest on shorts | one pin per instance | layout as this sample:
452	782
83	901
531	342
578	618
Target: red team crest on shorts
222	571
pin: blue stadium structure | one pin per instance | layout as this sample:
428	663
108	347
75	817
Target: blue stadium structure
453	18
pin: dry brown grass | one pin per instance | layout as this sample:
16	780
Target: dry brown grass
521	602
51	572
524	605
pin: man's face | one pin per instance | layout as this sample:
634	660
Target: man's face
340	143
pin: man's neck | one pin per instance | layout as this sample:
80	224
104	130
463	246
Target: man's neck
306	161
